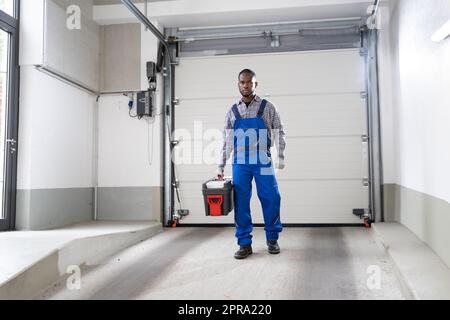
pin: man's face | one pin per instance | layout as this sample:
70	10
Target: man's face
247	85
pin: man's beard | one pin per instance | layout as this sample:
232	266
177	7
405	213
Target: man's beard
251	94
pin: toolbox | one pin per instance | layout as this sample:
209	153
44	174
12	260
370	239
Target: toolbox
218	197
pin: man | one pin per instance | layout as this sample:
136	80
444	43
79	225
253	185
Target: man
251	128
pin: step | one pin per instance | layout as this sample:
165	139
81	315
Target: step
423	274
33	260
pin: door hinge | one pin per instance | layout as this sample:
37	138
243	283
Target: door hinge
175	62
365	138
366	182
176	184
12	145
363	94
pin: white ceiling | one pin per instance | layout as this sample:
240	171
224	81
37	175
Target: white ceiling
203	13
105	2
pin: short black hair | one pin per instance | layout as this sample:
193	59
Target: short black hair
247	71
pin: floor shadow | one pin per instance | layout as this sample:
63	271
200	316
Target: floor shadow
324	266
145	271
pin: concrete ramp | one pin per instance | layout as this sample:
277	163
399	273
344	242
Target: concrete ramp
30	261
422	273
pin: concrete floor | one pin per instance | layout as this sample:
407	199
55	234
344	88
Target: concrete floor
198	264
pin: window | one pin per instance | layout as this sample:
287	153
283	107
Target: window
4	46
8	112
7	6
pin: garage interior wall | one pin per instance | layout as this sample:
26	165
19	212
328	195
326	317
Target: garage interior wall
56	133
415	77
70	143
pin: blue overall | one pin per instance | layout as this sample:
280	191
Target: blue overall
252	159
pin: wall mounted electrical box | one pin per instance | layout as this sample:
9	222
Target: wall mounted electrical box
144	104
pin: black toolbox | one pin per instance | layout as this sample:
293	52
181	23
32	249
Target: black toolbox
218	197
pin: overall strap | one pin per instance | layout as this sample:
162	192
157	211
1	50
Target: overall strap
237	115
262	108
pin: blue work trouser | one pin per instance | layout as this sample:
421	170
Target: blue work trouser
269	195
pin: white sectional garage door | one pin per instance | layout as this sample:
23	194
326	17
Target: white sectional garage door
318	95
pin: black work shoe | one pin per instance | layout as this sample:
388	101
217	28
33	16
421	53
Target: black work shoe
243	252
273	247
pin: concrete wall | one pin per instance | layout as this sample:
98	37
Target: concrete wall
120	51
129	164
72	52
415	96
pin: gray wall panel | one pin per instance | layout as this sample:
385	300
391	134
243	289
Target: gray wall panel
73	54
428	217
120	57
129	203
53	208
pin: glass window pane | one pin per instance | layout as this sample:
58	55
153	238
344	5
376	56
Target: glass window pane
7	6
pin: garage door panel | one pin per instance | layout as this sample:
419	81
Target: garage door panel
214	110
337	73
196	129
315	215
325	192
318	150
335	115
321	115
200	173
324	158
318	96
313	171
324	201
322	215
301	166
302	202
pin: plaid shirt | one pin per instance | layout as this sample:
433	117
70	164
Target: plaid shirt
271	119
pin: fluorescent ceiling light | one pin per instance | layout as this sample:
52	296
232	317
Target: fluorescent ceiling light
442	33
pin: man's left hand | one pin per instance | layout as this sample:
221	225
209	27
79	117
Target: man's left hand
280	164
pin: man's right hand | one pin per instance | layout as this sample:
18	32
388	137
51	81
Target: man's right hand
280	164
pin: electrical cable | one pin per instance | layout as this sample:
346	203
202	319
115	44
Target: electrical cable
132	116
150	147
174	173
130	104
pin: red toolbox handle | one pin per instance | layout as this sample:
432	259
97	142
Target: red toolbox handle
215	205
